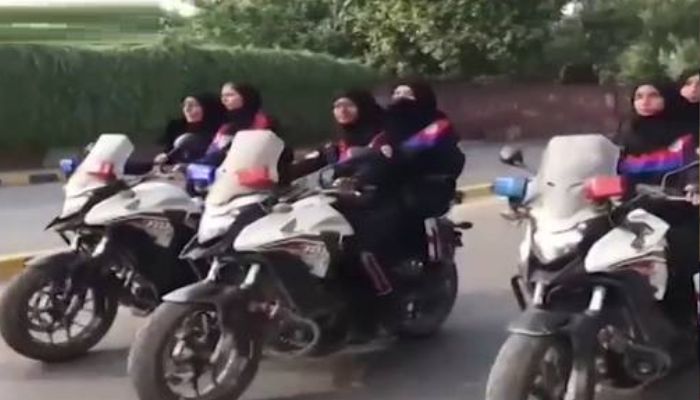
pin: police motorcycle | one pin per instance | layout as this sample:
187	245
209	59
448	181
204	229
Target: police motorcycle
592	272
124	235
281	285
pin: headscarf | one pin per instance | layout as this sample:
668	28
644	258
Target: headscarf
212	118
657	131
368	123
406	117
688	113
244	117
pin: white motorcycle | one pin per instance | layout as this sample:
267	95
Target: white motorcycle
125	235
285	283
592	271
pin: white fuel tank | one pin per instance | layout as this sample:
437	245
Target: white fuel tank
145	198
308	217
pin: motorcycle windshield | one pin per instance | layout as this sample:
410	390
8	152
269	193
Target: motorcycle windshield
250	166
105	162
568	162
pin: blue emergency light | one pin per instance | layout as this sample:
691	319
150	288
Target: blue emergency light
200	174
513	188
68	166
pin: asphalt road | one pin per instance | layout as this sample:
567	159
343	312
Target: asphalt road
451	366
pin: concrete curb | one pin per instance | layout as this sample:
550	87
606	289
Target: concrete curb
471	192
32	177
11	264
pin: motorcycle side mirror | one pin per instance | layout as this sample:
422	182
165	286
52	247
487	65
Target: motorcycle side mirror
185	140
185	145
512	156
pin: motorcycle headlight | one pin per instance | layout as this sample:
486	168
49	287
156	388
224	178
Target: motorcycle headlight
551	246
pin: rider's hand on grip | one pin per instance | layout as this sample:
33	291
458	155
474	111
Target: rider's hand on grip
693	194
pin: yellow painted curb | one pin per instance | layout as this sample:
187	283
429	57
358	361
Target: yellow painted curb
31	177
471	192
12	264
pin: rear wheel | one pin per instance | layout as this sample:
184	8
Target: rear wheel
48	314
425	313
530	368
183	354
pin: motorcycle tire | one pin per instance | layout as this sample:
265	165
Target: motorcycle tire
428	324
15	324
515	370
151	347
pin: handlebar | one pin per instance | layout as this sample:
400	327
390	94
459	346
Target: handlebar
344	189
349	193
659	192
159	171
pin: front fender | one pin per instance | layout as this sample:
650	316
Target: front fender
581	329
538	322
59	262
81	267
205	292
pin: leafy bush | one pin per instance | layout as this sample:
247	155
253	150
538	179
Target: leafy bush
55	95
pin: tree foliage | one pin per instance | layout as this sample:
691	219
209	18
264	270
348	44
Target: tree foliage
467	37
629	39
291	24
463	37
622	38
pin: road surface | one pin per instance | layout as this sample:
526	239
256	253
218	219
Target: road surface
451	366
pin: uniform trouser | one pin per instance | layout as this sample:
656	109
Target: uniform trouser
377	226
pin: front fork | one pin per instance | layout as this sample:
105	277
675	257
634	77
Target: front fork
581	328
696	282
584	330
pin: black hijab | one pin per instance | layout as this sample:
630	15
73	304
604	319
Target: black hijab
243	118
646	134
368	122
688	113
406	117
212	119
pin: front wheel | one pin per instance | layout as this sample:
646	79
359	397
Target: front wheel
183	354
531	368
49	314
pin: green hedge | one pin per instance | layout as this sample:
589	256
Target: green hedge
53	95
